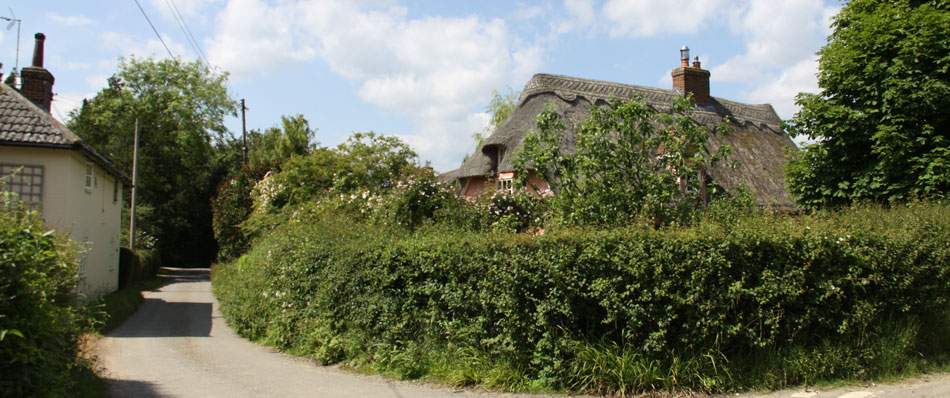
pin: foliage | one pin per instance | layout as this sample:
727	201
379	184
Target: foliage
278	144
731	303
306	177
40	320
372	161
499	107
631	162
181	108
230	207
880	121
413	201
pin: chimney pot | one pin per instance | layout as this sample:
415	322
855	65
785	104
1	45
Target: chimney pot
696	62
684	56
38	50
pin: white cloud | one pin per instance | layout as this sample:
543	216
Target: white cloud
645	18
436	71
581	16
191	10
524	12
779	60
252	37
69	20
129	46
781	91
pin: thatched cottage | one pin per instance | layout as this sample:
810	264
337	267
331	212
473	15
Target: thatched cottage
757	137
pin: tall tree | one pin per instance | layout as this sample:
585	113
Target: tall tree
181	108
279	143
880	122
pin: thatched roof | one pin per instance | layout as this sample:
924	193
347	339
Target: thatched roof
757	137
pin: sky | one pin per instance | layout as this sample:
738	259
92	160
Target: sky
422	70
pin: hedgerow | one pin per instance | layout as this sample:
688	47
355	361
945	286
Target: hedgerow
729	303
41	320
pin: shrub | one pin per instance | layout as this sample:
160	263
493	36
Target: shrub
40	321
757	301
232	205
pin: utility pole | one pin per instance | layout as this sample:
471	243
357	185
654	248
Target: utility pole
135	184
244	130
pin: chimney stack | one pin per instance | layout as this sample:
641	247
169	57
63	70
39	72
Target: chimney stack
36	83
693	79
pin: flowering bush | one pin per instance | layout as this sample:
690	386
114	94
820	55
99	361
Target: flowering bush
414	200
518	211
232	205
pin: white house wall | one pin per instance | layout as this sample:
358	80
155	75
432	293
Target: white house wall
89	217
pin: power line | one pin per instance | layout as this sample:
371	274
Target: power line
200	51
185	30
154	30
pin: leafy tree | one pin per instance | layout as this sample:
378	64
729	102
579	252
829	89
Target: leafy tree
279	143
880	122
181	108
371	161
631	161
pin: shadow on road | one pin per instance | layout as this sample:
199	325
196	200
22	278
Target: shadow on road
132	388
172	275
160	318
170	311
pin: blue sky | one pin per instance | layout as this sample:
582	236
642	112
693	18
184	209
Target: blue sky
424	70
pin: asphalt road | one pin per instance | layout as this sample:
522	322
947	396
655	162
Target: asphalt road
178	345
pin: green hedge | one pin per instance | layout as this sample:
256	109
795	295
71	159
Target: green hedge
137	266
753	301
41	321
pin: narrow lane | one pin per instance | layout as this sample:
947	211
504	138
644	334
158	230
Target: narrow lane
178	345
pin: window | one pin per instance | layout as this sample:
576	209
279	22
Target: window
88	184
82	258
505	185
25	181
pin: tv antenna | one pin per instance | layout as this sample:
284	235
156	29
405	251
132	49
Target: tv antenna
13	21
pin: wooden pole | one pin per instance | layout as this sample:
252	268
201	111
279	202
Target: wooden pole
135	182
244	130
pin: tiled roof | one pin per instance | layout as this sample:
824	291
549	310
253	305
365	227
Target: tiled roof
22	122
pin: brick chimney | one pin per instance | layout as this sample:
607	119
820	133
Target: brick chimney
692	79
36	83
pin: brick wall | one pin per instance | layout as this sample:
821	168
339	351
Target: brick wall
693	80
37	86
